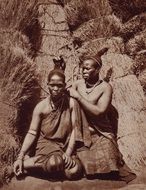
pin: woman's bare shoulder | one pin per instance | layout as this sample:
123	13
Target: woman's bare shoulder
41	106
107	86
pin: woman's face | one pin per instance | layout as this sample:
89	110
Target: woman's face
56	86
89	71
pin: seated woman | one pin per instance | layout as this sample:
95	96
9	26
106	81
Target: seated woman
53	126
94	96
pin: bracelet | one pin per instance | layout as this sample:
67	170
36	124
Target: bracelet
32	132
20	156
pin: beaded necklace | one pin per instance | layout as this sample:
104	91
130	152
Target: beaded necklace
92	86
57	104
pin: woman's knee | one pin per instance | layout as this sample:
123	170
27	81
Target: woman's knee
54	163
75	172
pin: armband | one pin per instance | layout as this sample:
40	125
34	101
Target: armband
32	132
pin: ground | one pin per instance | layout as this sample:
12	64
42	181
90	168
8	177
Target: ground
32	183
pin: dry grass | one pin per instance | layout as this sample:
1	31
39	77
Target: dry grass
80	11
18	14
76	13
19	88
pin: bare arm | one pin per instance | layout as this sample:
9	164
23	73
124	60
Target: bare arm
71	143
102	103
28	141
69	162
32	132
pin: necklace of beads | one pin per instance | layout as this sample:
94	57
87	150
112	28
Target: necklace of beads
92	86
59	104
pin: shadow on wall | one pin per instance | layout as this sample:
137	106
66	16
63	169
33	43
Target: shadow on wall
33	32
113	116
112	112
26	109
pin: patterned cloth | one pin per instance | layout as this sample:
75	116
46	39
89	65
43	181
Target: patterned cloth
102	157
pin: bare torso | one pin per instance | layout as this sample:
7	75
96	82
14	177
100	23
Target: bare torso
90	94
97	94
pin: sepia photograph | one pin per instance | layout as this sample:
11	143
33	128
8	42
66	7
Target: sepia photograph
73	94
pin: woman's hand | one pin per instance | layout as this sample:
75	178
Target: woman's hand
69	162
73	93
18	167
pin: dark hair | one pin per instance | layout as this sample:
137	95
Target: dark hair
97	62
96	58
58	72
